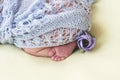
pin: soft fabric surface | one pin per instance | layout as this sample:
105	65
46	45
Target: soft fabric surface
28	24
103	63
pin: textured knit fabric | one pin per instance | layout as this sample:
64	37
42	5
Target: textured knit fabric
34	23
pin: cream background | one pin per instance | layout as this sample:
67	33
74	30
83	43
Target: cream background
103	63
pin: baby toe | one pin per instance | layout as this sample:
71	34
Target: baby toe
57	58
62	58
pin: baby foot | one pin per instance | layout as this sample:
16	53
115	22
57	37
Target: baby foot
59	53
56	53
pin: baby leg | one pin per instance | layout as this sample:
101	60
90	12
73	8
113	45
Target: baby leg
60	52
56	53
38	51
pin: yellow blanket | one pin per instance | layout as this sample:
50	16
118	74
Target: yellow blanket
103	63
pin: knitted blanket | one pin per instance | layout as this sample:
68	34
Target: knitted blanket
22	22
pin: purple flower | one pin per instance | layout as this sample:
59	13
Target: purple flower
85	41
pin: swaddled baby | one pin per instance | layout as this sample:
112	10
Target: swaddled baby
45	27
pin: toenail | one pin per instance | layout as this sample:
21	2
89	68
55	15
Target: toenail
63	58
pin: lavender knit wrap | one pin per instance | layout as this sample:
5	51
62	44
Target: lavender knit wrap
21	20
